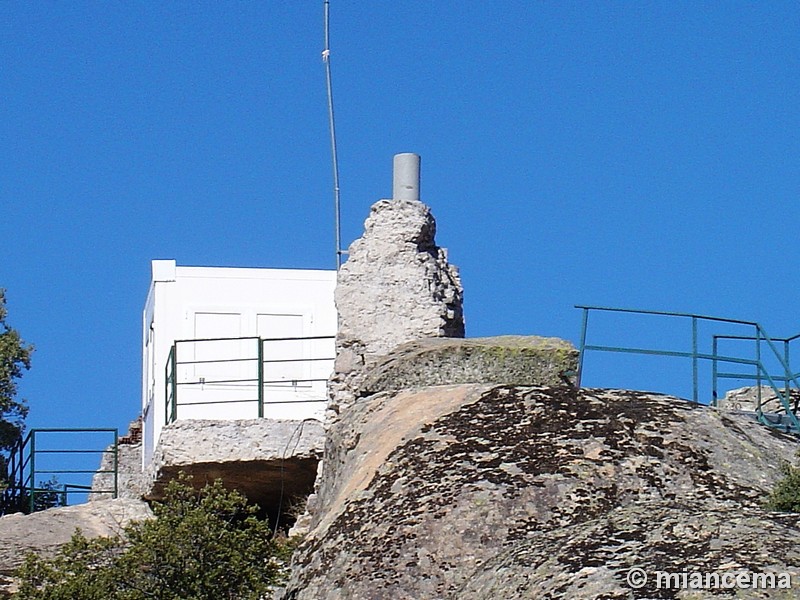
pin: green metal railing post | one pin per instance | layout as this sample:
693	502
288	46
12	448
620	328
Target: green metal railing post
694	360
174	355
759	367
20	466
116	463
260	378
167	386
33	471
786	370
714	392
584	325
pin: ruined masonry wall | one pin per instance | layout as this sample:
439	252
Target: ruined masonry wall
396	286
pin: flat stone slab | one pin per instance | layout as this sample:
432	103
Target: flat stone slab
272	462
507	359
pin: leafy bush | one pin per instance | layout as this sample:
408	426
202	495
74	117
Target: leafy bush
202	545
49	494
785	497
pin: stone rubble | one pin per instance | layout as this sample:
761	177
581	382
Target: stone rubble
131	481
746	399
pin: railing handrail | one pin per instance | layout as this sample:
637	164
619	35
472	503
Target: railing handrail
760	335
259	380
22	472
73	430
666	314
255	337
724	336
221	339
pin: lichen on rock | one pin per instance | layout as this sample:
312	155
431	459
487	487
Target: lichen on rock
506	359
438	487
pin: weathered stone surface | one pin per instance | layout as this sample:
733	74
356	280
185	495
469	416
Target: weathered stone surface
592	559
131	481
746	399
396	286
43	532
508	359
273	462
451	491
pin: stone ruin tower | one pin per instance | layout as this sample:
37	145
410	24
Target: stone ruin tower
396	285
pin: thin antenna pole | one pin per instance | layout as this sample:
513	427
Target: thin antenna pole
326	58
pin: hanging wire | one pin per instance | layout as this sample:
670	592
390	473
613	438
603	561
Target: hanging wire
299	431
326	58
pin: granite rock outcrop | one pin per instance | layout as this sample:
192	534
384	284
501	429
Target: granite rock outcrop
44	532
479	490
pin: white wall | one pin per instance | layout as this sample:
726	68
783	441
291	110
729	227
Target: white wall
190	303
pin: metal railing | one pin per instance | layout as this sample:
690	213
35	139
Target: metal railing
756	376
256	371
763	347
33	456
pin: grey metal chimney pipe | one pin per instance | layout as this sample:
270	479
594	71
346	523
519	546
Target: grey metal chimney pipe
405	180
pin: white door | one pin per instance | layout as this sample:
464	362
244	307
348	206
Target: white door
283	364
219	377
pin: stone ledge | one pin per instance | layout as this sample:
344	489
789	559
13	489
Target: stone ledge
507	359
272	462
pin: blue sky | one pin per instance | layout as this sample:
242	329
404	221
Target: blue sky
639	154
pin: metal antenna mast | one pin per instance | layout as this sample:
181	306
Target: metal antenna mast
326	58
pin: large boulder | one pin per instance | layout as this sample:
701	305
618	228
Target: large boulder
480	491
44	532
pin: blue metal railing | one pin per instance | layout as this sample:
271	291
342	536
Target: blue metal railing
26	492
758	336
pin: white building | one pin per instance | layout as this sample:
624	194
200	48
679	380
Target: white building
235	343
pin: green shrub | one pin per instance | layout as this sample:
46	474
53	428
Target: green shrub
785	497
202	545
